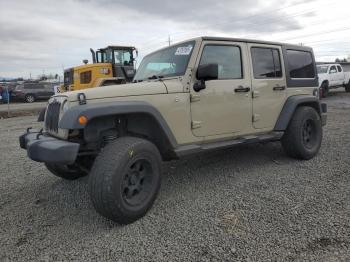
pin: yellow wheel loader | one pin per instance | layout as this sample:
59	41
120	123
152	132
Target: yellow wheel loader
110	66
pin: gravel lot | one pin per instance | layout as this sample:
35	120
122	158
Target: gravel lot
247	203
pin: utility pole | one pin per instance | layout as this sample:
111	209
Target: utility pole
169	40
8	101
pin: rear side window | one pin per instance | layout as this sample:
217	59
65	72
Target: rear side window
48	87
228	59
266	62
300	64
33	86
85	77
339	69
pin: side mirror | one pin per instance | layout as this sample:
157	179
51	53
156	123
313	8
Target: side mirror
204	73
332	71
208	72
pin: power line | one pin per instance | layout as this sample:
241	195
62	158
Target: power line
249	19
252	16
319	33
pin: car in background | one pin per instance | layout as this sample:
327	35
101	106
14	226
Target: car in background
332	76
32	91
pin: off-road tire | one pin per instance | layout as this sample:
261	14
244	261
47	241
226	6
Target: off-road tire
347	87
29	98
325	89
65	171
110	183
303	137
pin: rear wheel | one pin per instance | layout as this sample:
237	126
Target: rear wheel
68	172
125	179
303	137
325	89
347	87
29	98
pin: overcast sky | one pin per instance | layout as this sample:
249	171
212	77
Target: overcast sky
47	36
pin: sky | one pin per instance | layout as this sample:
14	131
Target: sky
47	36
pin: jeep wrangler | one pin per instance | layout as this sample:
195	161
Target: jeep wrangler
202	94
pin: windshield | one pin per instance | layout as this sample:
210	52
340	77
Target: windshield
322	69
123	57
171	61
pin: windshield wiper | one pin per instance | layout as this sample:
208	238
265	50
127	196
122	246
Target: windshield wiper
155	77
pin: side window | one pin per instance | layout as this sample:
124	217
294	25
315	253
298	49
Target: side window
31	86
332	70
277	62
266	62
48	87
85	77
41	86
339	69
227	57
301	64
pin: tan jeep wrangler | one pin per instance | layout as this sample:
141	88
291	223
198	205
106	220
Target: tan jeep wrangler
201	94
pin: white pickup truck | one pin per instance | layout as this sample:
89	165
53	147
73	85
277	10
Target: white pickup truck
332	76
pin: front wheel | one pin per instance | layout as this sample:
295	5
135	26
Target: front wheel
125	179
29	98
303	137
325	89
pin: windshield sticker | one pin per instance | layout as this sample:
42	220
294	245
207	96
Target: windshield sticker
183	50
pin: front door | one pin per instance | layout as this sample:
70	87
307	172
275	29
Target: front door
268	83
224	106
333	76
340	76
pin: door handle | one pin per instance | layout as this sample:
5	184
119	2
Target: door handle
279	88
242	89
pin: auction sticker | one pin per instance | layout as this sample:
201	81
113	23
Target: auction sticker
183	50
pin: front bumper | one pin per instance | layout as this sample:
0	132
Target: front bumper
47	149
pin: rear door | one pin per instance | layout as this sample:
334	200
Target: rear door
48	90
31	88
39	90
341	76
333	76
268	84
224	106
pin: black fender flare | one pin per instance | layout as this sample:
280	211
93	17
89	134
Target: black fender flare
91	111
290	106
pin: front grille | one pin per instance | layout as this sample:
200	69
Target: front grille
52	116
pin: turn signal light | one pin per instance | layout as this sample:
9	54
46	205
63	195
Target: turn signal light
82	120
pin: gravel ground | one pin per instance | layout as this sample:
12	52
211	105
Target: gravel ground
248	203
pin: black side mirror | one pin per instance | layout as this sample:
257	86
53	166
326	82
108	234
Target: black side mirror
204	73
208	72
